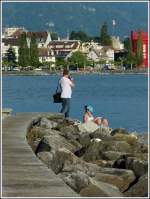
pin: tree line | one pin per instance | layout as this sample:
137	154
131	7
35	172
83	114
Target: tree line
28	51
134	58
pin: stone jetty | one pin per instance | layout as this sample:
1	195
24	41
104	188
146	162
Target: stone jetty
47	155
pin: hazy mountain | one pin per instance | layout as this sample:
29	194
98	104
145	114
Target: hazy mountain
88	17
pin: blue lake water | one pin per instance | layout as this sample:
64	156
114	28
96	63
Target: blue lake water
123	99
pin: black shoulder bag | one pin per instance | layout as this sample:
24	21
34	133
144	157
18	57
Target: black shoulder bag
57	95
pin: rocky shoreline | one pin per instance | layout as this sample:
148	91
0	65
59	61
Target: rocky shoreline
93	161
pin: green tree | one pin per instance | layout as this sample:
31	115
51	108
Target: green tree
23	58
130	58
11	56
105	38
54	36
139	52
60	62
34	55
80	35
78	59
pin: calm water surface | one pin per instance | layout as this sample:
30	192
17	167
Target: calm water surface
123	99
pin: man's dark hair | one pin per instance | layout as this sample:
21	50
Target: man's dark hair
65	72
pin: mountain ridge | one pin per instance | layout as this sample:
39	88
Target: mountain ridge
65	17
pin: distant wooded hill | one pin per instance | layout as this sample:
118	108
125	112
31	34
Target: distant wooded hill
87	17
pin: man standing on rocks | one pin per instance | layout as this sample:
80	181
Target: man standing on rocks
66	83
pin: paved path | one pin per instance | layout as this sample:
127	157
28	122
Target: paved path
23	174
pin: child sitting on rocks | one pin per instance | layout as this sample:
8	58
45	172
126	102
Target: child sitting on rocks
88	116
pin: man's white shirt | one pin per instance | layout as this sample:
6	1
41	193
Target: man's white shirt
66	87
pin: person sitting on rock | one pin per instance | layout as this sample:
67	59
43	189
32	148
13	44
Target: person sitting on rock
88	116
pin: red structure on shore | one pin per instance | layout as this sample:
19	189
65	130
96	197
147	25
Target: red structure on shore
134	38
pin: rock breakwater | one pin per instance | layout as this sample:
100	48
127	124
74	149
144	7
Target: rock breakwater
93	161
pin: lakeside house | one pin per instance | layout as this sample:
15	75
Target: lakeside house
104	53
62	48
13	32
42	38
46	55
117	44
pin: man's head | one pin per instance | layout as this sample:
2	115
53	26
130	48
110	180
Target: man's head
65	72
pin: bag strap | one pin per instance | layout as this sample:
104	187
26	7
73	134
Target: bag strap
58	85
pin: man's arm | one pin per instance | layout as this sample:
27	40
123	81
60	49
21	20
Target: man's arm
72	84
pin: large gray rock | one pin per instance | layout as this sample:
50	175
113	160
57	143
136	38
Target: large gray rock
70	132
67	122
141	156
140	189
34	144
143	139
119	130
97	147
112	155
77	180
102	133
129	138
54	142
93	152
104	163
48	123
120	146
121	178
64	161
140	148
88	127
100	189
46	158
36	134
84	139
140	167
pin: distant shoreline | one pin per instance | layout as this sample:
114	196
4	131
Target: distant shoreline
38	73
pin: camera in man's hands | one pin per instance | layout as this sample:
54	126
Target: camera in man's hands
70	77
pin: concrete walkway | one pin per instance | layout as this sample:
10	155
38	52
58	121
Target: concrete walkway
23	174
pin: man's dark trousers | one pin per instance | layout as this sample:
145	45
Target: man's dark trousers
65	106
